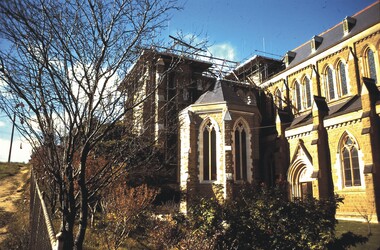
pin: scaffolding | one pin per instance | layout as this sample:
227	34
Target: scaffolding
220	67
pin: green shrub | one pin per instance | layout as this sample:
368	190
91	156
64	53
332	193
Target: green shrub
263	218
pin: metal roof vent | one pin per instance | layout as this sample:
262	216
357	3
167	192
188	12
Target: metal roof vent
289	56
315	42
348	24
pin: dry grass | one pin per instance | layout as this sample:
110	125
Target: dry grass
11	169
16	222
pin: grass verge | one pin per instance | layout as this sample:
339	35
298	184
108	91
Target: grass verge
10	169
361	228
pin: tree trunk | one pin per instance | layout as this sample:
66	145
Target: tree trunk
70	210
82	219
83	201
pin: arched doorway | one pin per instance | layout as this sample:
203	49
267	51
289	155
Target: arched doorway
300	181
300	174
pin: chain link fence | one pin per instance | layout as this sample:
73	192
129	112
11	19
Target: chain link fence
42	234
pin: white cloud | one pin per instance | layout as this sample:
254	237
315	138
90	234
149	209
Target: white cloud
2	124
21	150
223	50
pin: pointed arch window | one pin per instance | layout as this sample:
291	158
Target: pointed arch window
371	66
308	95
342	78
330	85
240	152
350	163
298	100
209	152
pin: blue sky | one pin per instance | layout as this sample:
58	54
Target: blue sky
274	26
236	28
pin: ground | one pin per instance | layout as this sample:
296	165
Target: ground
12	183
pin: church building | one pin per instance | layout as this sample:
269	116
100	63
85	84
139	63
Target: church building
311	120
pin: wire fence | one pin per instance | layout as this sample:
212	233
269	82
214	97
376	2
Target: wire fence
42	234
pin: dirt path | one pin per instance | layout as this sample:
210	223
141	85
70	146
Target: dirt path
10	191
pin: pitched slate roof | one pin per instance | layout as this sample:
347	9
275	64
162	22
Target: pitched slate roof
364	19
350	105
222	92
301	120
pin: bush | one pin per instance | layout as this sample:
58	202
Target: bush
125	212
262	218
258	218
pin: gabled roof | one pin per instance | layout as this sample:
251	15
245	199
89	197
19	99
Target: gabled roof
364	19
222	92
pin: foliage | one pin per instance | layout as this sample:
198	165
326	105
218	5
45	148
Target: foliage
262	218
258	218
176	231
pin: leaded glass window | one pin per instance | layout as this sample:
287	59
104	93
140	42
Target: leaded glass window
240	153
350	163
371	64
298	96
343	78
306	83
209	152
330	83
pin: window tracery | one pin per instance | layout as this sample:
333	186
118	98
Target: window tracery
350	162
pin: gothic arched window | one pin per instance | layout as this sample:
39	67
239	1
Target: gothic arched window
240	152
371	65
308	94
298	98
330	85
350	162
209	152
342	78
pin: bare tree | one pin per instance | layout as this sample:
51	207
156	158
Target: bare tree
63	61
